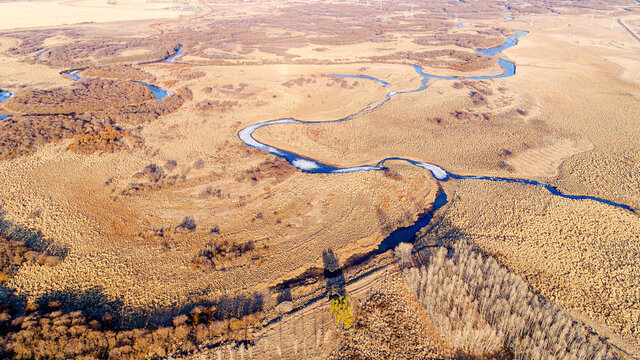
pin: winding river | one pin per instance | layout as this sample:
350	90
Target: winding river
406	234
222	54
172	58
5	95
313	166
157	92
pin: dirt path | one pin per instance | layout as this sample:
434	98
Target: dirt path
629	30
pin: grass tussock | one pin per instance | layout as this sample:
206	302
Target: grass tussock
480	307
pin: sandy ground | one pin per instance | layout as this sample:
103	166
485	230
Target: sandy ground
30	14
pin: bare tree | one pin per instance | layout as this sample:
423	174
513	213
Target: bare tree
403	252
480	307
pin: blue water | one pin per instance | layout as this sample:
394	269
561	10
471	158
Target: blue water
508	17
74	74
408	234
367	77
6	95
222	54
172	58
509	70
550	188
313	166
41	54
157	92
509	42
428	76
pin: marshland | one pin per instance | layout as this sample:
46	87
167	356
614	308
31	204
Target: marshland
319	180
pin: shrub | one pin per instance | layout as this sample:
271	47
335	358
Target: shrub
224	254
188	224
170	165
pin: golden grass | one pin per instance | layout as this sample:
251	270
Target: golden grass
575	88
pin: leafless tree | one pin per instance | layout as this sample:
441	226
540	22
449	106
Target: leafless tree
403	252
480	307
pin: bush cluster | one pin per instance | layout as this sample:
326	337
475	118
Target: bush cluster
454	59
93	130
13	254
482	40
278	168
340	306
52	334
84	97
120	72
105	138
20	245
215	105
224	255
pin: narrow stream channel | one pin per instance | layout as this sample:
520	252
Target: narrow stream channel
4	96
406	234
157	92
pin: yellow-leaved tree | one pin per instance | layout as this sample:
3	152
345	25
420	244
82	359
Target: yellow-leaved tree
341	309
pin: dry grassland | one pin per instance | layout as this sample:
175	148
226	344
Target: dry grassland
106	233
539	118
578	254
162	206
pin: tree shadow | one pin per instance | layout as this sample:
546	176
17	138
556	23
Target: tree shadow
225	307
92	302
284	295
443	233
333	274
33	239
238	306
